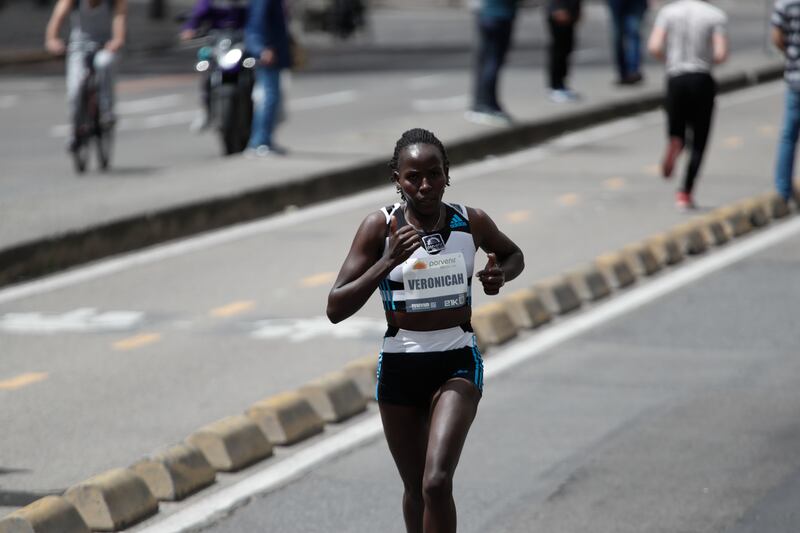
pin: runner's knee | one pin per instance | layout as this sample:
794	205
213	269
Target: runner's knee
437	486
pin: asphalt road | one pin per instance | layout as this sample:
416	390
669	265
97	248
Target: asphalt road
116	360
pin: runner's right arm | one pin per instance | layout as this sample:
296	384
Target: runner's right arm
54	43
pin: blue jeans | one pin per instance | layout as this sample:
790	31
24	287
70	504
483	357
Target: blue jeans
784	169
266	103
495	39
626	18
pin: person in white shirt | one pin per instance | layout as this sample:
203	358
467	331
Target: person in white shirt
689	35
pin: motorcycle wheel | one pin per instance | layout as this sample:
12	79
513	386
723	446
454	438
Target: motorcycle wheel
228	124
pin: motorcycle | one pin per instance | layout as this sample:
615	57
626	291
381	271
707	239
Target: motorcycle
230	78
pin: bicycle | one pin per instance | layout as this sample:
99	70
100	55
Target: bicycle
89	124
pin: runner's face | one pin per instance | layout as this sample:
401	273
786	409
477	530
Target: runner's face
421	177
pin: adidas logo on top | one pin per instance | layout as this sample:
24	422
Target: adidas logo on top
457	222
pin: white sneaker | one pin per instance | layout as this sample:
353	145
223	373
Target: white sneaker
264	151
489	118
563	96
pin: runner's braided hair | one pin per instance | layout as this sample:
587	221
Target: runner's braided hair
419	136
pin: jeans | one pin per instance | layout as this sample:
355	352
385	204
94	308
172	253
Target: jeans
266	105
626	18
562	38
787	144
104	74
495	39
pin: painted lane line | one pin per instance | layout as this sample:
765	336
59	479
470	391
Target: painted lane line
733	142
323	278
323	100
82	320
517	217
232	309
535	346
138	341
23	380
569	199
334	207
451	103
614	184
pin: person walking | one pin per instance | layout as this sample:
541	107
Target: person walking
626	27
690	36
267	38
98	27
495	22
562	17
786	37
420	254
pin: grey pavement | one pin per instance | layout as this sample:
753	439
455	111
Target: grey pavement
166	183
134	353
679	416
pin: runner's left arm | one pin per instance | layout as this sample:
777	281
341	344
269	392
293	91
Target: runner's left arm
506	261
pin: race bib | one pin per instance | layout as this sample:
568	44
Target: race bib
435	283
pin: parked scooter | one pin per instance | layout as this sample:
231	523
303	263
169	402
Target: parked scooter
230	76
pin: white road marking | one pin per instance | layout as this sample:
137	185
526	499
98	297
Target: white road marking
8	101
532	347
148	105
77	321
323	100
451	103
303	329
334	207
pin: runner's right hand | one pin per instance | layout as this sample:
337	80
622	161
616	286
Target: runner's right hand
55	46
402	243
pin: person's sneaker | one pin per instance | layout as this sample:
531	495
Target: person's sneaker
264	150
489	118
674	147
683	201
563	96
200	122
631	79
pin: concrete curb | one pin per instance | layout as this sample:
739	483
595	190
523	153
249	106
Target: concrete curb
589	283
642	258
335	397
175	473
690	238
364	372
558	295
615	267
57	252
666	249
493	325
51	514
286	418
526	309
713	230
112	500
736	222
231	444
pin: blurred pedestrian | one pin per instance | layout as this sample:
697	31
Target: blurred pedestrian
267	38
219	15
562	17
626	22
786	36
690	36
495	22
97	27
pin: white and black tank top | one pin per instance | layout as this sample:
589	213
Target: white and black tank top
438	275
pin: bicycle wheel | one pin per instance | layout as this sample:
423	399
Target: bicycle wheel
82	132
105	145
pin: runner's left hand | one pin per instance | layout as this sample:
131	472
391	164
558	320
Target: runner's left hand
492	276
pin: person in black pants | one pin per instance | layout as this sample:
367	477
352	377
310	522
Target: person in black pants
562	16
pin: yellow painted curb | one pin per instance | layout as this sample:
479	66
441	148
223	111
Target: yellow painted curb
51	514
231	444
666	248
775	206
558	295
755	212
616	268
364	371
112	500
589	283
642	257
526	309
334	397
176	473
736	221
286	418
492	324
690	238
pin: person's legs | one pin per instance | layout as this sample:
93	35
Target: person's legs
406	430
676	123
787	144
617	36
495	41
702	110
452	414
76	70
632	40
266	100
104	62
559	49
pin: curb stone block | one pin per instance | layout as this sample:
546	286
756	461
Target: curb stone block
364	371
493	324
666	249
714	230
775	206
112	500
616	268
642	257
335	397
690	238
526	309
286	418
589	283
755	212
736	221
558	295
51	514
176	473
231	444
